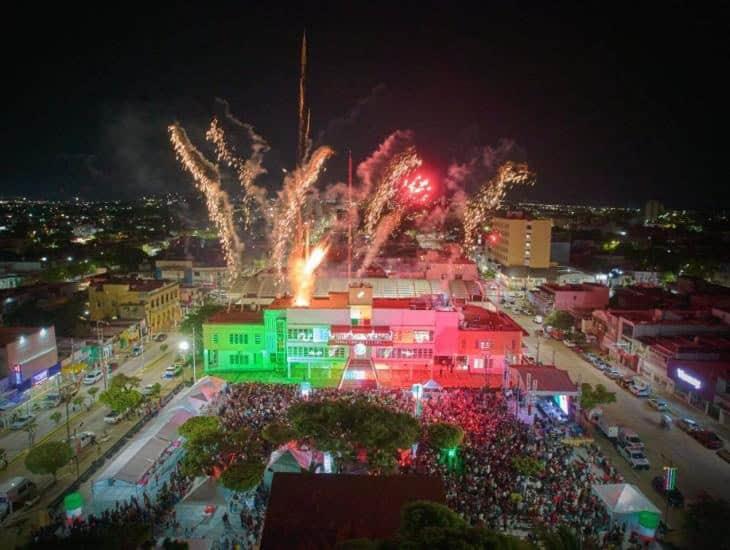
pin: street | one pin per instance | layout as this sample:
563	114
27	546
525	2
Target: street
149	366
699	469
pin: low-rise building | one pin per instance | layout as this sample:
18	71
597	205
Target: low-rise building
28	355
156	302
578	297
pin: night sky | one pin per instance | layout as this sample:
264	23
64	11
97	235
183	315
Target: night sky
610	104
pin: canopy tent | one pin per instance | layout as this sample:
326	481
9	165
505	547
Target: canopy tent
432	385
200	395
628	506
286	460
144	464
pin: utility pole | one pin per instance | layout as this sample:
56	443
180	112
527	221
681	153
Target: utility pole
195	376
349	217
537	351
101	353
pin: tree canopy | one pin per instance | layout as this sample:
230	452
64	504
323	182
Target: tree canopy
121	394
350	427
277	433
445	436
560	319
591	397
243	476
196	426
48	457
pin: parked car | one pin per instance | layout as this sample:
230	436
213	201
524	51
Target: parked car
635	457
568	343
149	389
675	498
160	337
625	381
639	391
629	438
658	404
92	377
13	493
688	425
708	438
724	454
613	373
137	350
21	421
82	439
172	371
112	417
51	400
537	319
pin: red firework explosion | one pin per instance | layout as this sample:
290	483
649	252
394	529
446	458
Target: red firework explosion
416	189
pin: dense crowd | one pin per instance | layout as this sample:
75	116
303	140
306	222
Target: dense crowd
486	489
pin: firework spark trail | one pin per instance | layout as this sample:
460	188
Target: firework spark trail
208	180
491	194
301	274
291	200
247	170
384	229
401	165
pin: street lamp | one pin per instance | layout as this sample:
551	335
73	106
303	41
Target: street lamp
184	346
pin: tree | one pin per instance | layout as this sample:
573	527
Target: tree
591	397
560	319
194	323
126	383
198	426
3	459
92	392
78	401
155	391
48	458
31	428
351	428
243	476
121	395
706	523
56	417
277	433
445	436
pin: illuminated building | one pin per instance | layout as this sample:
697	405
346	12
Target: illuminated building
390	340
519	241
156	302
28	355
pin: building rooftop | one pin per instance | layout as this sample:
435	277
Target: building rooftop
236	317
320	511
8	335
549	378
582	287
335	300
479	318
136	285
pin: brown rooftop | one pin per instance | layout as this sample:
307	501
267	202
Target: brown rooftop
322	510
237	317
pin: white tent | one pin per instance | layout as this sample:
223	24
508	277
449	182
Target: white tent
200	395
627	505
148	458
432	385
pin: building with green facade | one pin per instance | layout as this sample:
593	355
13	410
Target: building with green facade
235	341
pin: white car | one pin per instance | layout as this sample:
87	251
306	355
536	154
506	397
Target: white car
21	421
149	389
92	377
635	457
639	391
113	417
82	439
658	404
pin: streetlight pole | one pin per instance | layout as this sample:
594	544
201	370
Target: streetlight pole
195	375
101	353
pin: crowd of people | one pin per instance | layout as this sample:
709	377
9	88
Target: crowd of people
487	488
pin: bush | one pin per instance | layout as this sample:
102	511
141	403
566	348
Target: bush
445	436
243	476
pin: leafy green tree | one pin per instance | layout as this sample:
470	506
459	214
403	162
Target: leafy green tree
48	458
198	426
194	322
591	397
119	400
78	401
243	476
706	523
445	436
155	391
92	392
527	465
126	383
56	417
349	428
560	319
203	452
277	433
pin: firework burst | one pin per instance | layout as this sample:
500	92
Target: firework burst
490	196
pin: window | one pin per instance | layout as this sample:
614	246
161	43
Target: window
214	338
231	339
257	339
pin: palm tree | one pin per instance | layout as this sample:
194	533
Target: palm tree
31	428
